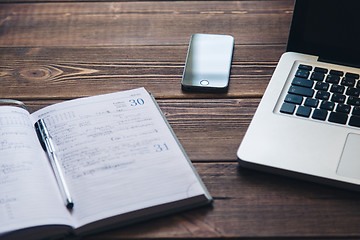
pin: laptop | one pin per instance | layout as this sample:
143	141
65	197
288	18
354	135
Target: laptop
307	124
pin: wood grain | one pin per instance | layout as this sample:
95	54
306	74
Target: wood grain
142	23
70	72
51	51
250	204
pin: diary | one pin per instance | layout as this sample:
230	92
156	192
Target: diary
119	157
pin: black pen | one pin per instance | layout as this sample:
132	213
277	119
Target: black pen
48	146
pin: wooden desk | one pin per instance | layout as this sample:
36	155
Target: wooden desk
54	51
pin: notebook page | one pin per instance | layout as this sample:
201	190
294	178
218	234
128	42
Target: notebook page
29	195
118	154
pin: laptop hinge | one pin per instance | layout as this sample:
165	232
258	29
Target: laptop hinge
326	60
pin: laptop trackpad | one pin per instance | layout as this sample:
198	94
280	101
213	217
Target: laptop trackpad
349	165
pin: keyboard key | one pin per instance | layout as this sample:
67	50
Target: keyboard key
332	79
302	82
288	108
317	76
337	117
356	111
353	101
352	75
321	86
319	69
302	91
343	108
353	92
322	95
339	98
336	72
337	89
354	121
311	102
319	114
326	105
303	111
302	73
305	67
349	82
291	98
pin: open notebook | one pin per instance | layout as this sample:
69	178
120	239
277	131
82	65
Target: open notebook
121	161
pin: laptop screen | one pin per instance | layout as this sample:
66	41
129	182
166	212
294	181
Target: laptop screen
329	29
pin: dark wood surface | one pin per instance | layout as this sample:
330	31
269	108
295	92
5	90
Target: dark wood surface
52	51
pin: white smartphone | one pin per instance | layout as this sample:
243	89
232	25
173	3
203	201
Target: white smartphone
208	63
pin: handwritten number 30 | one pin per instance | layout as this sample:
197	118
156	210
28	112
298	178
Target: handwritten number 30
135	102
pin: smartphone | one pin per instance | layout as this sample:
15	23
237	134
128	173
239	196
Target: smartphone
208	63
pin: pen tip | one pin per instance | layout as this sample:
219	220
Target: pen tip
70	205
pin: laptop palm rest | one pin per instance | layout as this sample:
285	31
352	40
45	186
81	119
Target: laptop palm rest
349	165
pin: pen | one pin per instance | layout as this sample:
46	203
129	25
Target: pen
48	146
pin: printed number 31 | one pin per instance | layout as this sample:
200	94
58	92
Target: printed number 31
161	147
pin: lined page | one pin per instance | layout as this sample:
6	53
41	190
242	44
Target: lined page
118	154
29	195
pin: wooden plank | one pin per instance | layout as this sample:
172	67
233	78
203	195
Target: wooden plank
141	23
254	205
209	130
64	73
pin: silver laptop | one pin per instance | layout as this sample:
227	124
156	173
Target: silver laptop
307	124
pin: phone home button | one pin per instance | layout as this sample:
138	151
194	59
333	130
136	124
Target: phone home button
204	82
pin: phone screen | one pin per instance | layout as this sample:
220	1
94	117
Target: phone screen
208	63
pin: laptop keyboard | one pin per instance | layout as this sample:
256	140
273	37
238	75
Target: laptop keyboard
325	95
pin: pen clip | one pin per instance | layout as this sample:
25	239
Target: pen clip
40	132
